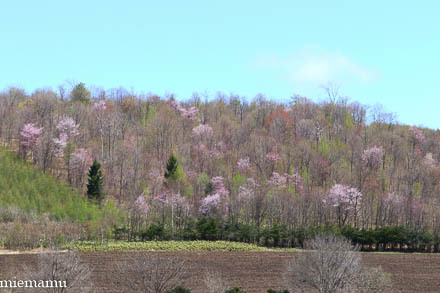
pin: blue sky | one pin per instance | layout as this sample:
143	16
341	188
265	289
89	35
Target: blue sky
377	51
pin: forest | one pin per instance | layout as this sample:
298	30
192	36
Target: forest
144	167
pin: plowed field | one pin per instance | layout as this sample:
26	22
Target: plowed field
254	271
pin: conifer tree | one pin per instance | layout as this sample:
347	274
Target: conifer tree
172	166
94	187
80	94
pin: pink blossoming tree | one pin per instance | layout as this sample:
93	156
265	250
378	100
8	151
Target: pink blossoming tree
209	203
273	156
202	131
346	199
417	135
68	126
372	157
141	205
286	180
177	204
243	164
28	137
219	186
203	147
190	114
66	129
80	163
100	105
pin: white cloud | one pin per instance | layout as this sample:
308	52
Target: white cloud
317	67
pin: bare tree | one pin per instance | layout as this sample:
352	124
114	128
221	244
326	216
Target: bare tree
373	280
213	282
65	268
142	272
328	264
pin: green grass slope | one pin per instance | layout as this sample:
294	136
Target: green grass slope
25	187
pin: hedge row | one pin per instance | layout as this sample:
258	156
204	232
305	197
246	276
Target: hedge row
394	238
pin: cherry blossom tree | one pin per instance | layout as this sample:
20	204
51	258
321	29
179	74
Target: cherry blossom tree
209	203
202	131
429	161
372	157
286	180
273	156
100	105
219	186
80	162
67	126
218	197
346	199
204	148
243	164
394	206
141	205
342	195
67	129
60	144
190	114
417	135
174	201
28	137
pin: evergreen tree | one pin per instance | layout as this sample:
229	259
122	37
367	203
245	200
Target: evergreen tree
172	167
80	94
94	187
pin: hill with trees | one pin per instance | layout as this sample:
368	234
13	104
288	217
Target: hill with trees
231	168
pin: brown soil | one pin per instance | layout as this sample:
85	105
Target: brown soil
253	271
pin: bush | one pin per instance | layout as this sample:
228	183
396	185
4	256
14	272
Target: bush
235	290
275	291
154	232
372	280
214	282
22	236
15	214
208	229
180	289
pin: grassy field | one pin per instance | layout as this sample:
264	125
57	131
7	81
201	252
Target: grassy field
24	187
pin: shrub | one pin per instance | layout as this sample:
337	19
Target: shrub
45	233
213	282
20	236
180	289
154	232
235	290
208	229
372	280
15	214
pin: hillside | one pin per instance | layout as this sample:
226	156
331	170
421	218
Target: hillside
227	168
25	187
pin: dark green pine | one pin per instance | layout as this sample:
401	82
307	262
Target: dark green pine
94	187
